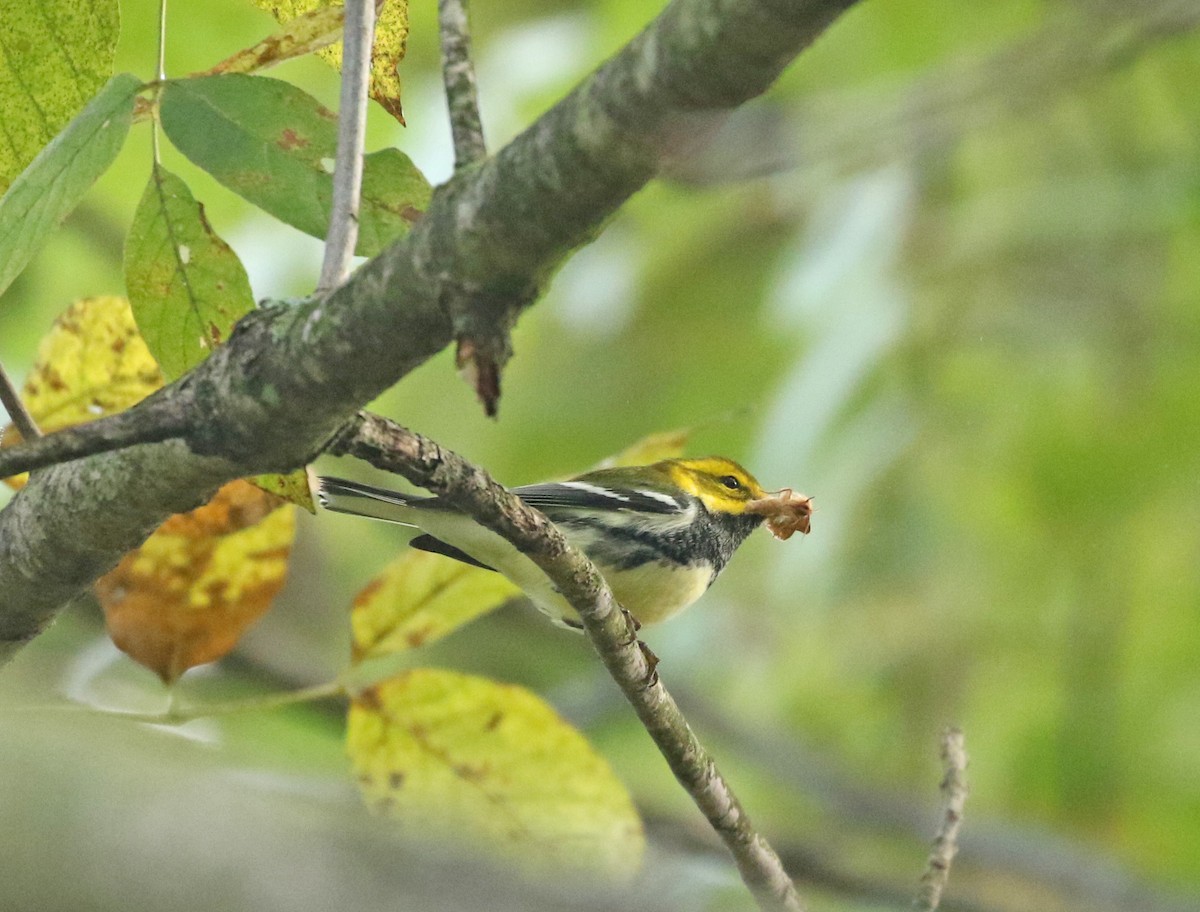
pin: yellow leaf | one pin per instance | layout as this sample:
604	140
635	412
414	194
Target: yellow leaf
292	487
391	42
193	588
306	33
92	363
652	448
470	760
421	597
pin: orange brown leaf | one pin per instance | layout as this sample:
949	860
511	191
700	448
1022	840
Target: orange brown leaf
186	596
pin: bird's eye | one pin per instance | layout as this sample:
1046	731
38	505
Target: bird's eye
730	482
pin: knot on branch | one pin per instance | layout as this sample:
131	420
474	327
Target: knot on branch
482	321
242	399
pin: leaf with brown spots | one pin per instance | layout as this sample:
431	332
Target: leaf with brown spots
420	597
492	766
186	285
188	288
391	42
292	487
54	57
186	596
92	363
274	145
312	31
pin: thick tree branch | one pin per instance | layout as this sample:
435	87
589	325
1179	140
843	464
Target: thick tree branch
389	446
340	240
291	375
458	74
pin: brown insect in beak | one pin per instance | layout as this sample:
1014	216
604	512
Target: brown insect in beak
786	512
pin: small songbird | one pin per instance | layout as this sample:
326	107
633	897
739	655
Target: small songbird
660	534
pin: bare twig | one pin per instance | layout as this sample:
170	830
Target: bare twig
342	237
149	422
1022	852
483	345
458	73
21	419
389	446
945	846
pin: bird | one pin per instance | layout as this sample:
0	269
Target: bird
660	534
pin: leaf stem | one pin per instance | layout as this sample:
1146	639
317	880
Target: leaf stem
162	76
342	236
177	714
162	40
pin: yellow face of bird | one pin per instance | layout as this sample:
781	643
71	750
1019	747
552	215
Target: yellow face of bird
721	484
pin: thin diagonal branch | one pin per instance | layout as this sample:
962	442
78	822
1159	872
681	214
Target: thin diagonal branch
458	74
13	404
945	846
342	236
152	421
389	446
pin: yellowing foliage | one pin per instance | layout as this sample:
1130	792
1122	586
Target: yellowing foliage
421	597
391	43
651	448
304	34
467	759
92	363
54	61
192	589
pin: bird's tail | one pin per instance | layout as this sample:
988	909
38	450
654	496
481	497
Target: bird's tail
359	499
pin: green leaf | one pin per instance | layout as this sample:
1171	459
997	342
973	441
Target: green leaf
421	597
478	762
274	145
186	285
188	288
55	55
55	182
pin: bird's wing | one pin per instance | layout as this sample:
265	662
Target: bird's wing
437	546
586	495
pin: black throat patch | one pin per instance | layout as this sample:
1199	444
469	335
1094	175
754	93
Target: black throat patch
709	540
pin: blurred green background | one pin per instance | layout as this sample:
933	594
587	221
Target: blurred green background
944	278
